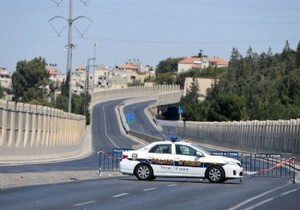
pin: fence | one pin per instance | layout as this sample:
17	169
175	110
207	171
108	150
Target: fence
109	159
269	165
281	135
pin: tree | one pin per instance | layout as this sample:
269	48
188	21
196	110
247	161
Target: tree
168	66
190	103
298	56
1	91
164	78
30	80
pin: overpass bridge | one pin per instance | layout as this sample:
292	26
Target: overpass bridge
36	133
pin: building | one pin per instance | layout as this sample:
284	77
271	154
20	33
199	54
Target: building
119	77
106	77
200	62
55	76
203	85
5	78
134	71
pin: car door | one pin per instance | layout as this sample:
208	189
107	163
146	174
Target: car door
187	163
161	159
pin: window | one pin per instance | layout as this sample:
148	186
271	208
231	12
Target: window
185	150
161	148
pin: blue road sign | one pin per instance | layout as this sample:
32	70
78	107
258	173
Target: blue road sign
129	118
180	110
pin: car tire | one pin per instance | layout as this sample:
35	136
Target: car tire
144	172
215	174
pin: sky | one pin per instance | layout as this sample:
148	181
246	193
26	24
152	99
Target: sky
150	31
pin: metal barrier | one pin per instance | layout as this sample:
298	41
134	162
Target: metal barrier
262	165
269	165
109	159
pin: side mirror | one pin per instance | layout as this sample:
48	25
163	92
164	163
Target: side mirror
199	154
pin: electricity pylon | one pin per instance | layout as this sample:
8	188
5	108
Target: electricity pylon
70	44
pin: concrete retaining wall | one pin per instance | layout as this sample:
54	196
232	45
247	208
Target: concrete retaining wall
100	94
34	131
281	135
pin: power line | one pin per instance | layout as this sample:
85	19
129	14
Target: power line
245	6
189	42
161	17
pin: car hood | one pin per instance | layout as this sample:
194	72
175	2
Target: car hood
219	159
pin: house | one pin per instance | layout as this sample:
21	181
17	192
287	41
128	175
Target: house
55	76
134	71
5	78
106	77
200	62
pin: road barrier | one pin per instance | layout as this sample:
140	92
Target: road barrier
109	159
262	165
269	165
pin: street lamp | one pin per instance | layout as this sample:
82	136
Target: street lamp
87	80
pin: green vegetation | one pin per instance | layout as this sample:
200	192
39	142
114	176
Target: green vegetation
29	81
31	84
168	66
254	87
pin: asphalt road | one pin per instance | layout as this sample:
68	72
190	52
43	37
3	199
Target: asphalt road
143	125
129	193
126	192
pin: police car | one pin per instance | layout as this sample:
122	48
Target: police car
178	159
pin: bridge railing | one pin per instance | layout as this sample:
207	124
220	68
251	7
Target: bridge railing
281	135
26	130
136	91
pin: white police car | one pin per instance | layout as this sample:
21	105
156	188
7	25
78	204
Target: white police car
178	159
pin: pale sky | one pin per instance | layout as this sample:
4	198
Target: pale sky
150	31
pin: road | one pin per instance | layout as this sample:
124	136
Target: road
129	193
143	125
126	192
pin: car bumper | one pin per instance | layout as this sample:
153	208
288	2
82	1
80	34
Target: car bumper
233	172
127	167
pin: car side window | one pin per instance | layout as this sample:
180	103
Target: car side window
161	149
185	150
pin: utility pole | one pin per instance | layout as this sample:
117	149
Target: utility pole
70	44
69	56
87	82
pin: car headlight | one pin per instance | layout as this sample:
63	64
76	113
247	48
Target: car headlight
231	163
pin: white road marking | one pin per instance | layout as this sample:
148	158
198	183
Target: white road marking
85	203
288	192
105	130
149	189
256	197
259	204
272	198
120	195
172	185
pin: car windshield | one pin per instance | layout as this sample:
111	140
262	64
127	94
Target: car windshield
201	149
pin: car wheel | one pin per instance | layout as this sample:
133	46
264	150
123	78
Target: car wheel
144	172
215	174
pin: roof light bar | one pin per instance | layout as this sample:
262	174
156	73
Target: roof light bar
175	139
